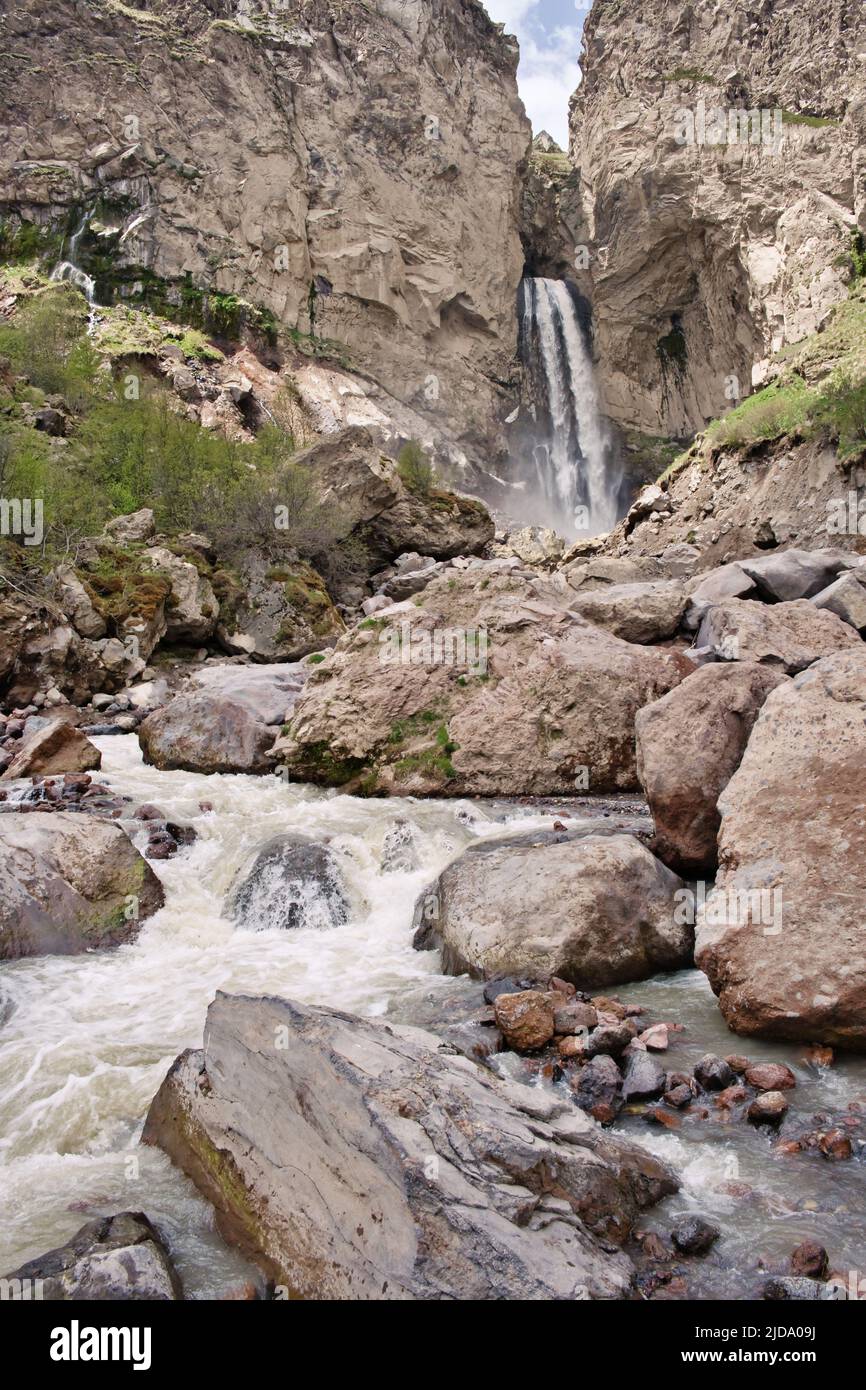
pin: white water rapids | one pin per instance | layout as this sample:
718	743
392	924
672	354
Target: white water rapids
91	1037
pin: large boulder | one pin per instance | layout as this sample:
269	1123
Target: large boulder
791	574
293	882
596	910
277	612
70	883
359	1160
643	613
408	700
689	744
728	581
191	608
132	528
114	1258
226	721
77	603
783	936
846	597
789	636
56	746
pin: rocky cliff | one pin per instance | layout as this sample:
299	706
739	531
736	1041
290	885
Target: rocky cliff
349	172
721	153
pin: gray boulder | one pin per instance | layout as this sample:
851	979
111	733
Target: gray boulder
787	575
293	882
114	1258
789	636
369	1162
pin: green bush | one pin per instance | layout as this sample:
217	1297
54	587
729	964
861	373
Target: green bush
414	467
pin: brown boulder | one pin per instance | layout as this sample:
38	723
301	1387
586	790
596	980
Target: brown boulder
525	1019
788	636
689	744
58	747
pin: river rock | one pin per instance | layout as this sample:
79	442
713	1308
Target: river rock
788	636
293	882
641	613
770	1076
713	1073
810	1260
597	1089
112	1259
201	733
693	1235
689	744
784	1288
526	1020
55	747
348	1181
769	1108
70	883
791	964
643	1077
596	910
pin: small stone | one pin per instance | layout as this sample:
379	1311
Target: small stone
655	1038
737	1063
819	1056
810	1260
836	1145
606	1005
525	1020
768	1108
731	1096
597	1089
571	1046
678	1097
643	1078
788	1288
713	1073
493	988
694	1235
571	1017
770	1076
608	1040
561	986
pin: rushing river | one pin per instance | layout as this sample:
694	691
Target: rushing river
90	1038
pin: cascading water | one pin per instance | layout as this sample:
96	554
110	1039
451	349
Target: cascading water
573	482
68	270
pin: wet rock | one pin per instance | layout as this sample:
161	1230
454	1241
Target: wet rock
689	745
400	849
729	581
608	1040
656	1038
694	1235
810	1260
738	1063
597	1089
836	1145
70	883
525	1019
643	1078
678	1097
442	1192
56	747
732	1096
769	1108
713	1073
770	1076
593	910
574	1017
505	985
786	1288
115	1258
293	882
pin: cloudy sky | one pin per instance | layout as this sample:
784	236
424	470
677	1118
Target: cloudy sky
549	34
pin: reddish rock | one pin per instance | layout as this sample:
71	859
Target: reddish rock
678	1097
655	1038
768	1108
571	1017
737	1063
525	1019
809	1259
731	1096
835	1144
770	1076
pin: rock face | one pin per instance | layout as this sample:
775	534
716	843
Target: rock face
794	967
115	1258
596	911
226	722
726	249
281	612
689	744
344	1179
70	883
377	202
58	747
293	882
407	701
788	636
191	609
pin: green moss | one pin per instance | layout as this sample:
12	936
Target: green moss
316	658
798	118
321	764
195	344
372	624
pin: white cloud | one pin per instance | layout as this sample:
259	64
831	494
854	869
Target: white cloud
549	71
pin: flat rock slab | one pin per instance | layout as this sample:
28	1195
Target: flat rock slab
356	1160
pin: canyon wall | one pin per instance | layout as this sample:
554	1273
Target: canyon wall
704	258
351	170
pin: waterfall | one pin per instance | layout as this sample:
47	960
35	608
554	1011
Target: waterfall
69	271
574	481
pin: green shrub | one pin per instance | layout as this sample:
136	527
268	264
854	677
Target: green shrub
414	467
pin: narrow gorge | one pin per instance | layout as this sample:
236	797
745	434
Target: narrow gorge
432	667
